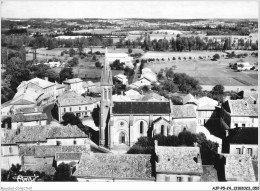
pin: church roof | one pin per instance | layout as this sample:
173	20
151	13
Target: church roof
141	108
123	166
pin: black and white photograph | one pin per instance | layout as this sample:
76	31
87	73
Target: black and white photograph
129	95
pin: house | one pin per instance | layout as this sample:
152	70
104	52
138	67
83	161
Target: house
248	95
206	110
140	83
148	74
238	113
88	86
121	78
74	84
153	97
36	145
244	141
45	91
6	108
189	99
25	120
133	94
70	101
239	168
120	98
122	57
110	167
183	117
178	164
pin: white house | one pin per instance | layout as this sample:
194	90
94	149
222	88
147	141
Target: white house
74	84
122	78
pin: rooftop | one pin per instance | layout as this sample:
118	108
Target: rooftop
207	103
247	135
183	111
41	133
72	81
133	94
29	110
141	108
46	168
239	168
153	97
61	156
39	82
178	160
69	98
124	166
28	118
242	108
189	99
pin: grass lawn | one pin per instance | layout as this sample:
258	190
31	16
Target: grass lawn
209	72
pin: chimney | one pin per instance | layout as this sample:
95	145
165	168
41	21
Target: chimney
199	159
238	90
227	133
46	78
155	143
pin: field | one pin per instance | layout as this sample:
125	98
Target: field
208	72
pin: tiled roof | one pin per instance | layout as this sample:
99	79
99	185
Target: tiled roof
67	156
88	84
183	111
248	93
209	174
29	110
27	150
65	132
74	148
27	118
247	135
141	108
250	100
72	98
132	94
239	168
39	82
120	98
189	99
153	97
41	133
71	81
46	168
205	103
23	99
46	150
124	166
242	108
178	160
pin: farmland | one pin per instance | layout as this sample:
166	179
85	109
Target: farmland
208	72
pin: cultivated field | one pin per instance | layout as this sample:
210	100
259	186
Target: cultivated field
208	72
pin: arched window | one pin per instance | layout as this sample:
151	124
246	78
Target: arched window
121	138
141	127
162	129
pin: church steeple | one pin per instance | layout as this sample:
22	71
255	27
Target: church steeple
106	75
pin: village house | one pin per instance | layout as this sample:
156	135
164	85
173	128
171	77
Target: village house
27	119
250	96
121	78
206	110
178	164
122	57
110	167
45	89
88	85
244	141
140	83
60	88
238	113
149	75
153	97
75	85
239	168
133	94
70	101
183	117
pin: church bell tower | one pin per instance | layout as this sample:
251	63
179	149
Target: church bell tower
106	100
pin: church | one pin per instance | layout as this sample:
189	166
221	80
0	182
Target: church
122	123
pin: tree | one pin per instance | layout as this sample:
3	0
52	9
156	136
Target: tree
63	173
130	50
73	62
186	138
66	73
216	56
70	118
98	64
218	89
72	52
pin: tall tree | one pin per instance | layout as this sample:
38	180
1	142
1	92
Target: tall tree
66	73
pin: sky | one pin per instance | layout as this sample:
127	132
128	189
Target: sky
129	9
